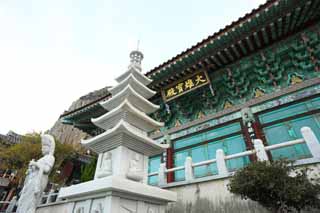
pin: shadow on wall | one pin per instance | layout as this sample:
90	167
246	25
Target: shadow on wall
234	204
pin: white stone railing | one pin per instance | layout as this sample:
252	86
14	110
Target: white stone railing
49	197
7	206
259	150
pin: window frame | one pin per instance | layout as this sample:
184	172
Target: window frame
292	117
262	126
241	132
188	149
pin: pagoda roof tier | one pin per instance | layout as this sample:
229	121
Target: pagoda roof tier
133	97
124	134
130	114
135	71
135	84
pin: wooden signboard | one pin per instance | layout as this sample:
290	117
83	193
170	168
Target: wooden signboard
184	86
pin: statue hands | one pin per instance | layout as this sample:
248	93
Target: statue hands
33	165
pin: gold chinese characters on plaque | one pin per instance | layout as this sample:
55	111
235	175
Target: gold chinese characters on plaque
182	87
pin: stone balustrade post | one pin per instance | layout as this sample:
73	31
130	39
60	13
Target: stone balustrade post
260	150
49	196
43	199
311	141
162	177
11	205
221	163
188	169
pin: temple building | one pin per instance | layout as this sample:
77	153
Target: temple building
257	78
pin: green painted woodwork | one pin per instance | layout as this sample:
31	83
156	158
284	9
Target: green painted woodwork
229	145
291	110
154	165
280	128
290	130
206	136
281	65
179	159
295	13
82	119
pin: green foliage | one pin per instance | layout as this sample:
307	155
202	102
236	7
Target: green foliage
87	171
276	185
62	152
18	156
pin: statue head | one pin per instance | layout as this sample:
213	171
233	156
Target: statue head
107	156
137	157
48	144
150	210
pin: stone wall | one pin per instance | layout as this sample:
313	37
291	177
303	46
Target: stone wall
61	207
216	190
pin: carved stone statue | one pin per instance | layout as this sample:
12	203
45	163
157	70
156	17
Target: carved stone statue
135	171
80	210
37	177
98	208
105	165
150	210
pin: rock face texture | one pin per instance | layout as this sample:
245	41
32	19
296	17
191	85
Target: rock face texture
67	133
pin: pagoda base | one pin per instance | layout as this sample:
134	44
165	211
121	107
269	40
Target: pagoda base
116	195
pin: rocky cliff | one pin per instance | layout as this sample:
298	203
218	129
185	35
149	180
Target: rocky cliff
67	133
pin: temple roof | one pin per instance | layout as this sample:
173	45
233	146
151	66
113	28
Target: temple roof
81	117
269	23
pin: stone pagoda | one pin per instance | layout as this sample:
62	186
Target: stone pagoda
121	176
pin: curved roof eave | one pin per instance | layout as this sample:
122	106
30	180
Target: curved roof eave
213	36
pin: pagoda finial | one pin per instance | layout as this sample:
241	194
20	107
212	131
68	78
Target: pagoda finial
136	56
138	43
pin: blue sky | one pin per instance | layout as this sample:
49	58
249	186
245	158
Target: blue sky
52	52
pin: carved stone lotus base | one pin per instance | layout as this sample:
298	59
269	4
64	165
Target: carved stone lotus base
116	195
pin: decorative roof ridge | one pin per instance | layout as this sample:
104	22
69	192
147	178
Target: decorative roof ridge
131	108
207	40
